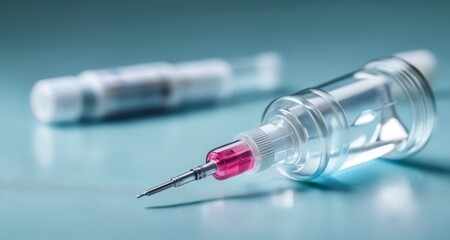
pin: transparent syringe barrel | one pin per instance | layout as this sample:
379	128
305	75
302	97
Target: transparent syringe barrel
386	109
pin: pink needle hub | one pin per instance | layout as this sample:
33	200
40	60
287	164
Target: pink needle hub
231	159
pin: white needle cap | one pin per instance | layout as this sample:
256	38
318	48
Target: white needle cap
57	100
422	59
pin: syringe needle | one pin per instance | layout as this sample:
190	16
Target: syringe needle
194	174
157	189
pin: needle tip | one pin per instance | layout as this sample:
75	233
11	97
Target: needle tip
157	189
140	195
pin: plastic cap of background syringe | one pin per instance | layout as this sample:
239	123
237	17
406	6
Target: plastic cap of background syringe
422	59
57	100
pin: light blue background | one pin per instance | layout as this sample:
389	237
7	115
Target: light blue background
80	182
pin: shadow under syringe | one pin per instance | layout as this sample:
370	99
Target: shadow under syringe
443	94
325	185
431	166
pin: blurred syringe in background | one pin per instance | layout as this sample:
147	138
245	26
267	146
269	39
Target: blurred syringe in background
103	93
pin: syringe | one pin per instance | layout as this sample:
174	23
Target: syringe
385	109
97	94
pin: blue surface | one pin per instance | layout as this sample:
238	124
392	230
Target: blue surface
80	182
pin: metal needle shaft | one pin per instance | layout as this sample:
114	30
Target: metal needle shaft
194	174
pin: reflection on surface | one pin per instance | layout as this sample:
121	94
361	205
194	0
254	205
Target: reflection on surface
43	146
395	199
284	199
53	146
49	145
245	215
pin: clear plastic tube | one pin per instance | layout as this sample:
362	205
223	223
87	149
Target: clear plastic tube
95	94
385	109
